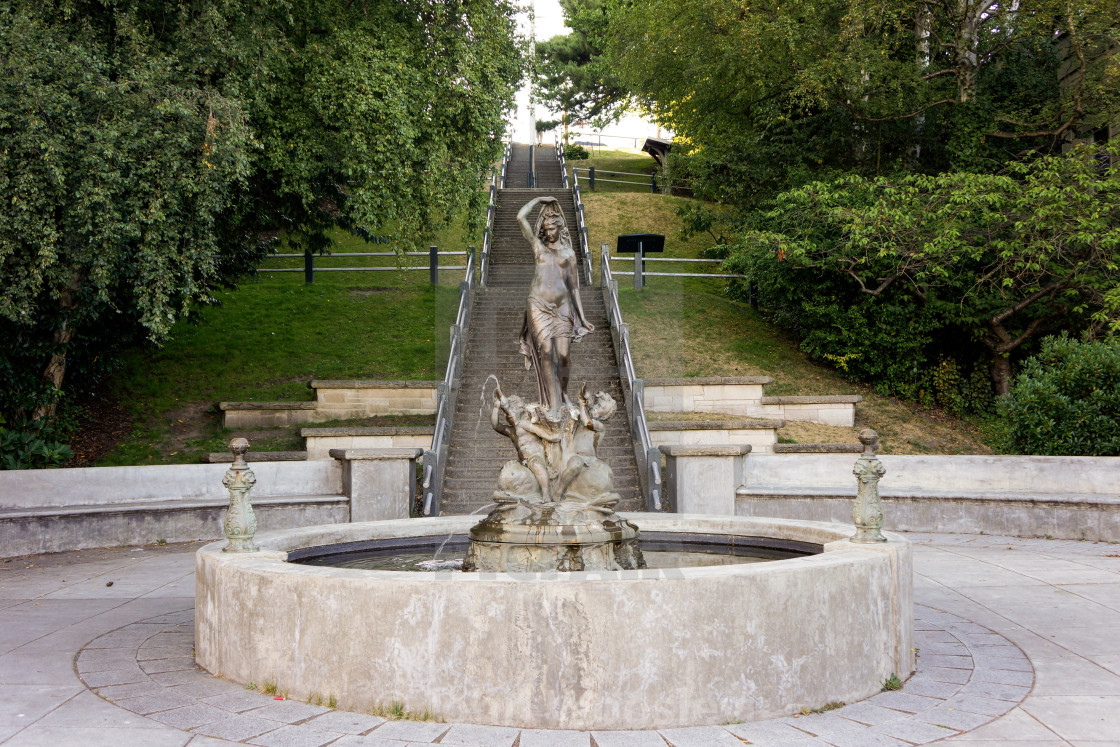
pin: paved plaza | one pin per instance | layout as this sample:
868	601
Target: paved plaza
1019	644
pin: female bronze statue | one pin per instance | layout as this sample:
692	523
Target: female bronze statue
554	314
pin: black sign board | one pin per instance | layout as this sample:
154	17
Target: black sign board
640	242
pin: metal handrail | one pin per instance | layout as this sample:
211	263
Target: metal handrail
563	164
435	458
648	455
581	229
488	231
649	181
506	155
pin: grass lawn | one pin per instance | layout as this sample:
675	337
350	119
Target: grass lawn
686	327
270	336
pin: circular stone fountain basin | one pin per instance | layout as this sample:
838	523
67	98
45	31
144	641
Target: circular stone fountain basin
652	648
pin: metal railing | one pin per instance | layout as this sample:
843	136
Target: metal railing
309	269
581	229
563	165
648	455
592	176
580	137
435	458
488	232
640	272
505	164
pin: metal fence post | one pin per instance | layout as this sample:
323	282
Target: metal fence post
308	267
433	264
639	265
653	183
591	178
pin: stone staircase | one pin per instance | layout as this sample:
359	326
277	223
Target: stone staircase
546	164
476	453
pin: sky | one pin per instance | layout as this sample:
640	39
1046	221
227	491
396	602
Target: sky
628	132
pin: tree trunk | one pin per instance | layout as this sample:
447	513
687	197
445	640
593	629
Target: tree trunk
55	371
923	23
56	367
1001	374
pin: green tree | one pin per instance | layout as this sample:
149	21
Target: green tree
1004	258
766	95
572	75
150	149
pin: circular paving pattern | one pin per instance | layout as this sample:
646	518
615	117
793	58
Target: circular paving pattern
967	676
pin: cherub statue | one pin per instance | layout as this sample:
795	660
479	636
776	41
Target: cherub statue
585	477
520	423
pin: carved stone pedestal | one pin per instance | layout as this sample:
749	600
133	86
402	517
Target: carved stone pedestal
524	537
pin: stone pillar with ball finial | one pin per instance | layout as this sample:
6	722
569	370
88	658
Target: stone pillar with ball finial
867	512
240	523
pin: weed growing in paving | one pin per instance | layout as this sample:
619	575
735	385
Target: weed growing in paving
396	711
823	709
892	683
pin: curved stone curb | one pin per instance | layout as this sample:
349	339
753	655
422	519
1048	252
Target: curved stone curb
967	676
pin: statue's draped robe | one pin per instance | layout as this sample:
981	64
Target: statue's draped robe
544	321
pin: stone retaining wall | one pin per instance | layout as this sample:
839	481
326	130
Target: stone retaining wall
836	409
743	396
1028	496
320	441
52	510
760	435
340	400
739	395
337	400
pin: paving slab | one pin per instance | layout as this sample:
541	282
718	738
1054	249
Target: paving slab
700	736
291	736
766	732
93	736
346	722
628	739
410	731
480	736
553	738
1017	725
1077	717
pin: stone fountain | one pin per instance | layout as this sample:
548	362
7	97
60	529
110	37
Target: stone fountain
555	502
557	622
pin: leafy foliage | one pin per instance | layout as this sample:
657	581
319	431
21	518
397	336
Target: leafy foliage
920	265
1065	401
153	149
763	97
31	446
573	152
573	76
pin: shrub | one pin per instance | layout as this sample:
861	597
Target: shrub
31	446
576	153
1065	401
883	344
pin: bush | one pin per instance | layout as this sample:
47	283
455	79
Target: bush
1065	401
576	153
882	344
31	446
